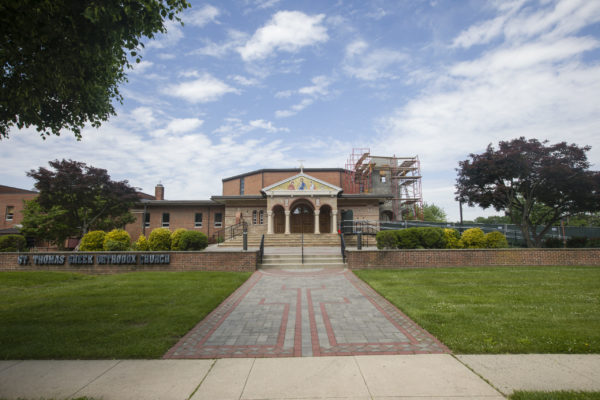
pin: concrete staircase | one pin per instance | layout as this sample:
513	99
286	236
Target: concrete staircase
281	240
294	261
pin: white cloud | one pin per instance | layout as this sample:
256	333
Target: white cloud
362	63
166	56
205	89
242	80
182	125
143	116
517	22
287	31
202	16
318	89
174	34
141	67
295	109
235	127
235	39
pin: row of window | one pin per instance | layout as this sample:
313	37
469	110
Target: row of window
166	220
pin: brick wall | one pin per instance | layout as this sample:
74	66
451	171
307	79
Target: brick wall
13	200
179	261
398	259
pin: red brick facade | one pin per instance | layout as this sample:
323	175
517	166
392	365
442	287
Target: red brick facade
400	259
11	205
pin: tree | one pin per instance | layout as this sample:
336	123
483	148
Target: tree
62	60
433	213
75	198
493	220
534	183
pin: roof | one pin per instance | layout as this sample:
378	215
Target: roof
259	171
9	189
242	197
179	202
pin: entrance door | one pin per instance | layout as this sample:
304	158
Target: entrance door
302	219
325	219
278	220
347	221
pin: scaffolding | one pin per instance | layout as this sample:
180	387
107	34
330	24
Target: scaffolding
357	177
403	186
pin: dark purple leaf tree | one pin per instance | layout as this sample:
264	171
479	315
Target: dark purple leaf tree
534	183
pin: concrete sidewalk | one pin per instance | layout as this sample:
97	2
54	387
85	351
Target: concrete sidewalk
428	376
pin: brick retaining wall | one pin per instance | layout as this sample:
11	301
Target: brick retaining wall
374	259
234	260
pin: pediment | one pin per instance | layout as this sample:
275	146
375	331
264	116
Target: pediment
301	184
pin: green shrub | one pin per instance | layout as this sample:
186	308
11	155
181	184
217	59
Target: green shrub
593	242
175	237
553	243
12	243
408	238
192	240
92	241
386	240
473	238
117	240
452	238
142	244
576	241
495	240
160	239
432	238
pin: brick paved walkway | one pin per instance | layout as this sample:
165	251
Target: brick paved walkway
291	313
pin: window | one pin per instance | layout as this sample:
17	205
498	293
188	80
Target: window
383	178
261	217
242	184
218	220
147	220
198	220
165	220
10	213
253	217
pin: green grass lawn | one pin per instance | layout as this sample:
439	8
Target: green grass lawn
133	315
567	395
500	310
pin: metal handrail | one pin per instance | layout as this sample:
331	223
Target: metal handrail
261	250
231	231
343	247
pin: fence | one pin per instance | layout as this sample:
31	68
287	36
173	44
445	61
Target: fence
512	232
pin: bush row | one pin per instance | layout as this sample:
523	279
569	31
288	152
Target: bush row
160	239
12	243
439	238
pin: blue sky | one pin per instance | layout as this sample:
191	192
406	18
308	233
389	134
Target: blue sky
249	84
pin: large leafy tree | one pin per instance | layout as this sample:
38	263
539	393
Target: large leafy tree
433	213
75	198
61	61
534	183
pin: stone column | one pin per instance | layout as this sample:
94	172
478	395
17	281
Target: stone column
317	212
334	221
269	222
287	222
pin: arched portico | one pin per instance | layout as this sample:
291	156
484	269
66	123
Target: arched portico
325	221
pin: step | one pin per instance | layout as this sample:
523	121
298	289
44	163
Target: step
294	261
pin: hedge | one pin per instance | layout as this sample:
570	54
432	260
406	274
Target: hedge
92	241
10	243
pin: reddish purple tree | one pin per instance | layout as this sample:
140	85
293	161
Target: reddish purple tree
534	183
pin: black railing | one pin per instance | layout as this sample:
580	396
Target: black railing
343	247
230	232
261	249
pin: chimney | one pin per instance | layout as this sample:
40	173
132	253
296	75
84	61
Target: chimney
159	192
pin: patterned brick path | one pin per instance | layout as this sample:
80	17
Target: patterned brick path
290	313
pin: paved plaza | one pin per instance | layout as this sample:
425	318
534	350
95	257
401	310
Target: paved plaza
294	313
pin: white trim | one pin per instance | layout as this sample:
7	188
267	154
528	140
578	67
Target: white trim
307	192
